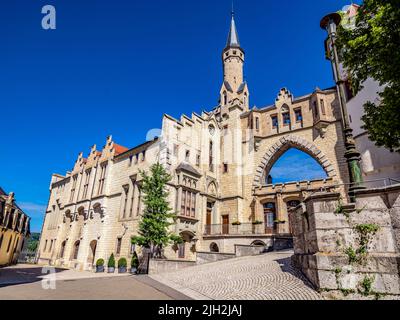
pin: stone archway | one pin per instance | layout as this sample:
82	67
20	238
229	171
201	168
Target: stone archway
283	145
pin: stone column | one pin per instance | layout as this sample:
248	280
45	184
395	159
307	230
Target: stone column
280	211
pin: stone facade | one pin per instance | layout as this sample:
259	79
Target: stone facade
351	250
219	162
14	228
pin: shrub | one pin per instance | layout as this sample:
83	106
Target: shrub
236	223
257	222
111	261
100	263
135	261
122	263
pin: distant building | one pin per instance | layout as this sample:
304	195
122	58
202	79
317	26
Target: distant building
220	163
376	163
14	228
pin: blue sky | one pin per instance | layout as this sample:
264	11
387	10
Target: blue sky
114	67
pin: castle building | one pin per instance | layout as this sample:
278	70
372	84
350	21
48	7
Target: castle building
14	228
220	162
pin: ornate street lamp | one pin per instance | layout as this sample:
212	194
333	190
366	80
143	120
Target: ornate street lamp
329	23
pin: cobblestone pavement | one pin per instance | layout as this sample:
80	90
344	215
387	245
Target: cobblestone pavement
267	277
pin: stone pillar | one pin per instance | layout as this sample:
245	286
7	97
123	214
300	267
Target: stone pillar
280	211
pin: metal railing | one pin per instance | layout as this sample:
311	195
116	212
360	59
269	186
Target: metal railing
239	230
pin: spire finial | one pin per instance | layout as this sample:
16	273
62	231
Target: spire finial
233	9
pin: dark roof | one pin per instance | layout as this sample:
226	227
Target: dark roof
233	37
228	86
241	88
139	148
188	168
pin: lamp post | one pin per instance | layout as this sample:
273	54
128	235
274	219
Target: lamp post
329	23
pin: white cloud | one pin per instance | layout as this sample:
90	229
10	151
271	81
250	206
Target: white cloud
33	209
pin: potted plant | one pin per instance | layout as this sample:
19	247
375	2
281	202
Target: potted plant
280	221
100	265
122	264
134	263
236	223
257	222
111	264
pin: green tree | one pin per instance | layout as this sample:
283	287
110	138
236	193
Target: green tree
371	49
157	216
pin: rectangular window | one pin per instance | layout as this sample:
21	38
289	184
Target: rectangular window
286	118
274	122
119	243
102	178
322	102
139	204
198	159
226	168
299	115
74	180
193	209
316	114
257	124
132	199
181	251
51	245
211	160
188	204
125	203
45	245
130	161
176	150
86	185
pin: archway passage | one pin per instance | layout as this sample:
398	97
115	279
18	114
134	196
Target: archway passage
283	145
293	166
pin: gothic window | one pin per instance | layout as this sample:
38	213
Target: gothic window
274	122
257	124
138	208
51	245
286	118
45	246
225	98
187	155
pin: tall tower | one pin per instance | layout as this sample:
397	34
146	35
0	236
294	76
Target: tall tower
234	86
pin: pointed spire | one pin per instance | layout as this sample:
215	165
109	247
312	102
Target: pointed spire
233	37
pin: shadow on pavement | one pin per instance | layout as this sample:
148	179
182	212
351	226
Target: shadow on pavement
16	276
287	266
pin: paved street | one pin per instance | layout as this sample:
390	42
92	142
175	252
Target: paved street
266	277
25	282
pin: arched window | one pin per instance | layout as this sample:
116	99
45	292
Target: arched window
62	251
214	247
76	250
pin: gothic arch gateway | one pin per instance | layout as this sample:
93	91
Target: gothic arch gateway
283	145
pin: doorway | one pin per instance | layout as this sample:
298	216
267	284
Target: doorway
225	224
270	217
210	209
92	255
